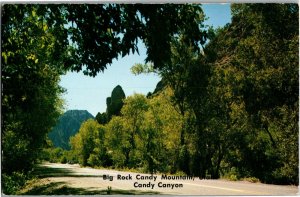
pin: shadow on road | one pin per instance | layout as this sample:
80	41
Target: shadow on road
60	188
43	186
43	171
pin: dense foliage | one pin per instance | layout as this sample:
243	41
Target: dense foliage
142	137
255	73
41	42
30	91
91	35
229	111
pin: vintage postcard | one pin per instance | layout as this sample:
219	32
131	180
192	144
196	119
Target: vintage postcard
135	98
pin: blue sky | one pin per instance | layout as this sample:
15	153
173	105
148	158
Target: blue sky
88	93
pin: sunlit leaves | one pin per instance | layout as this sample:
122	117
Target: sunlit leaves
96	34
84	141
252	80
30	76
139	68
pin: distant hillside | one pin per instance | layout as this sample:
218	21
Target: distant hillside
67	126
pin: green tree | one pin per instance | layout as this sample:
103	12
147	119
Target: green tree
133	112
256	69
238	93
187	75
99	156
89	145
117	142
84	142
47	40
161	133
146	134
96	34
30	75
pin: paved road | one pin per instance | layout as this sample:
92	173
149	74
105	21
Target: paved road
88	180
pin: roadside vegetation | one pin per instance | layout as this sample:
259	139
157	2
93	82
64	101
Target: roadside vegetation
227	104
220	113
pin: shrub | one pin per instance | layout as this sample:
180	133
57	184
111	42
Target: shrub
93	160
180	173
233	177
252	179
12	183
63	160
